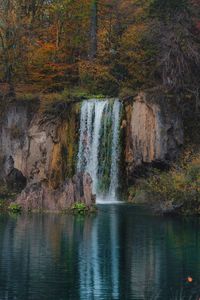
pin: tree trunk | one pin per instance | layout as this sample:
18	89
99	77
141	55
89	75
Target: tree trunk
9	78
93	30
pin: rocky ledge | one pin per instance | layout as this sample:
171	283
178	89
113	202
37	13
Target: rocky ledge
39	197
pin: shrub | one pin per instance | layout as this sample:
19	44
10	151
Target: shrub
126	92
28	96
98	79
80	208
179	188
5	192
2	205
14	208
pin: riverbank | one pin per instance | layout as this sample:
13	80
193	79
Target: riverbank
72	197
10	206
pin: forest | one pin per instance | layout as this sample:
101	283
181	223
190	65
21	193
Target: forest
104	47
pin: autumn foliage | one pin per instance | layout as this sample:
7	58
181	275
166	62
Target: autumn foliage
135	44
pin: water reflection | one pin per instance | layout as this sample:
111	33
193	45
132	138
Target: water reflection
99	259
121	253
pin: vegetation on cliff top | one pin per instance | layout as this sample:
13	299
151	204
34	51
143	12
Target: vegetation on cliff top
102	46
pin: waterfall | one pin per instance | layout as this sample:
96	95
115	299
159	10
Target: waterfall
115	150
99	149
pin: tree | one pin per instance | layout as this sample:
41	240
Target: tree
178	56
8	41
93	30
102	45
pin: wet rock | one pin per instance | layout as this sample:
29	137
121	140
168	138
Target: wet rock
38	196
166	208
87	188
78	186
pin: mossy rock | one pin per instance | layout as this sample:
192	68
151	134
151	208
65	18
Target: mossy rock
81	208
15	208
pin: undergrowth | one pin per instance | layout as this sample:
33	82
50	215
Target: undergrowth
179	187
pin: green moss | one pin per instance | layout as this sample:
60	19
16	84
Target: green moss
5	193
28	97
79	208
81	94
70	150
106	151
15	208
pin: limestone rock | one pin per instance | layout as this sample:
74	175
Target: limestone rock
40	151
43	150
14	178
154	132
38	196
14	136
8	164
87	188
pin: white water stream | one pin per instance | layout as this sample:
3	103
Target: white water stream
99	149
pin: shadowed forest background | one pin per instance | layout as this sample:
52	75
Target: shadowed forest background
108	47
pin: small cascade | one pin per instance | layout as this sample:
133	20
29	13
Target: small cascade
99	149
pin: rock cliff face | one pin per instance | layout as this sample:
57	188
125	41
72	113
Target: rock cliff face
38	196
41	150
14	178
154	132
14	137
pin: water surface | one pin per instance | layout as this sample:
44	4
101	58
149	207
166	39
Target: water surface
123	252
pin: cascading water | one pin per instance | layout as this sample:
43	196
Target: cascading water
99	148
